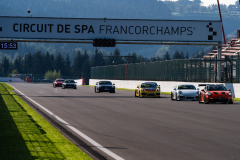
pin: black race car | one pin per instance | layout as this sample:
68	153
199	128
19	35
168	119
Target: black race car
69	83
104	86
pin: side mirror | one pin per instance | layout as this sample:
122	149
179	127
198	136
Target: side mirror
159	86
229	89
113	84
137	86
174	89
75	82
198	89
202	90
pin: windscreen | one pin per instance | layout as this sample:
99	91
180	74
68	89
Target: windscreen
216	88
186	87
69	81
147	85
105	83
60	80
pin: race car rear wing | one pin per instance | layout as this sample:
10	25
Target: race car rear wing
208	84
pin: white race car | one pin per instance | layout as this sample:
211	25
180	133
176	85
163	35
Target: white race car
184	92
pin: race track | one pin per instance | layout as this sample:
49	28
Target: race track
145	128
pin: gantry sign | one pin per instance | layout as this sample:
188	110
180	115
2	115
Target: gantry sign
124	31
118	29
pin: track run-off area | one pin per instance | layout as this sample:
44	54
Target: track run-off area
144	128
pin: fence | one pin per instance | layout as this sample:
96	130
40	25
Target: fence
195	70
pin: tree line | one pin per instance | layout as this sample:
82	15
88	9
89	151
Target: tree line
38	63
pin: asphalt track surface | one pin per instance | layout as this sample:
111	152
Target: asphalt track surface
145	128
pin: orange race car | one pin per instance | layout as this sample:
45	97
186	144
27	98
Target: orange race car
215	93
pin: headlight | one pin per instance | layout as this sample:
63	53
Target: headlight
179	92
230	93
208	93
142	89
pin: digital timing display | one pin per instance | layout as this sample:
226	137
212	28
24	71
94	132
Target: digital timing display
9	45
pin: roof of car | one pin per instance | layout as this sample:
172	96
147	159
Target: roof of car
185	85
104	81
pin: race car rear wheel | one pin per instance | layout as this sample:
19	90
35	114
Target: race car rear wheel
135	93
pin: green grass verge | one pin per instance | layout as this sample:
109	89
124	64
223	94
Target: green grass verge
236	99
26	136
168	93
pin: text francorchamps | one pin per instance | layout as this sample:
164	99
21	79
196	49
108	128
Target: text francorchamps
103	29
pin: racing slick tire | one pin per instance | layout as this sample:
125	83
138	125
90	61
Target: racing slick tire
177	98
139	95
135	93
230	102
205	100
98	91
199	101
54	86
112	91
63	87
172	97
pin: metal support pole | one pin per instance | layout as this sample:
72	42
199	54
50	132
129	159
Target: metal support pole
231	72
219	62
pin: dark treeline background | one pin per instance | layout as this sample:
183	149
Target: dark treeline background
76	59
39	63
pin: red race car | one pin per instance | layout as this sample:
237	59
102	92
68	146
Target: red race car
215	93
58	83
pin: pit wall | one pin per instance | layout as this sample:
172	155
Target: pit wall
166	86
79	81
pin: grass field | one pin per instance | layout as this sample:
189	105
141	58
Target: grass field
24	135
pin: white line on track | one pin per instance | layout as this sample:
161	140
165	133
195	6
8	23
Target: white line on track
94	143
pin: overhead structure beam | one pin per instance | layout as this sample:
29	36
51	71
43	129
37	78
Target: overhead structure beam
117	42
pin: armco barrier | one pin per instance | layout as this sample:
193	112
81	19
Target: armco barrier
79	81
166	86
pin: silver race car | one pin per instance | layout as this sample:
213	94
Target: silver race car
184	92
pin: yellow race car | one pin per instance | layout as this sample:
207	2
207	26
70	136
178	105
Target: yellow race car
148	89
